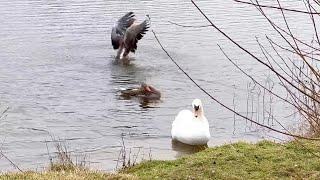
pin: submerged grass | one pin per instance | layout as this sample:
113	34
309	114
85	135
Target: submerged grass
264	160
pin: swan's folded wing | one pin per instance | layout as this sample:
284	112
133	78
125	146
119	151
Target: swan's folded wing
183	117
179	124
134	33
119	29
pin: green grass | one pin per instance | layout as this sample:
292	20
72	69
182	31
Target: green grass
264	160
70	175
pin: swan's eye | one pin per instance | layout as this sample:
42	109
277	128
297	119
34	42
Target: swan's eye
196	108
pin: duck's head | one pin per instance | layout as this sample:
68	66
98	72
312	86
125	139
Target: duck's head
145	87
197	107
149	90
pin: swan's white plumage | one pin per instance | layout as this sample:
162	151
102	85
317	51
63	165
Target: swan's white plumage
189	129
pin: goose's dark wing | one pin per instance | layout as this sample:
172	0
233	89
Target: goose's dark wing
119	29
133	34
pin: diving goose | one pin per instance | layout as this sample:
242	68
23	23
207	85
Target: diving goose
191	127
126	33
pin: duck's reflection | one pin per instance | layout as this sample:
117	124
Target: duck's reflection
185	149
148	103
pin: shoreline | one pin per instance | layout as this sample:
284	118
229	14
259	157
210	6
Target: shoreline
264	159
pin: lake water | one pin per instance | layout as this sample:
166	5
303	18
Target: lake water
60	81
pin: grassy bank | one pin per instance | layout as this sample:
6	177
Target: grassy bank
264	160
68	175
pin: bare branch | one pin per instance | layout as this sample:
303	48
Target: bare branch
181	25
11	162
275	7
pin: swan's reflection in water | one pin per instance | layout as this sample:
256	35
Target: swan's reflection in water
185	149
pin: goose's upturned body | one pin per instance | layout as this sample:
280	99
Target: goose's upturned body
191	127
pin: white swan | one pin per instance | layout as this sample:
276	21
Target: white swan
191	127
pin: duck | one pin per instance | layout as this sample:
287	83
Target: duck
191	127
126	33
145	91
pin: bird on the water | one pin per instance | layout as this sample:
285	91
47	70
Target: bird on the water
126	33
191	127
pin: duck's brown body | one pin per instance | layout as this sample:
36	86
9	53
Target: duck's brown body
145	91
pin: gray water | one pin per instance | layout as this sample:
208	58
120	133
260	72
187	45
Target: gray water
60	81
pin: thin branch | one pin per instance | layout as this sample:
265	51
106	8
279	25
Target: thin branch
11	162
181	25
313	21
3	112
275	7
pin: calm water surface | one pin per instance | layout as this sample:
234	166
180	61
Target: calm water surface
59	78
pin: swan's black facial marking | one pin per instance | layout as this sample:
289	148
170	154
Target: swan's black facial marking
196	108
